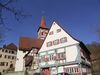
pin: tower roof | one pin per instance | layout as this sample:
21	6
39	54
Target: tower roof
43	23
11	46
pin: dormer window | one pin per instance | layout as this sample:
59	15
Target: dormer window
63	40
51	33
56	42
49	44
58	30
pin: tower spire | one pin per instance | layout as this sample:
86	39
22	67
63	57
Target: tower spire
42	30
43	23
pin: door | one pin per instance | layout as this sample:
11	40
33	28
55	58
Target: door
46	71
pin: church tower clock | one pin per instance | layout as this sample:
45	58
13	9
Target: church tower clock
42	30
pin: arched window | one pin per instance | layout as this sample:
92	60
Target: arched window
11	65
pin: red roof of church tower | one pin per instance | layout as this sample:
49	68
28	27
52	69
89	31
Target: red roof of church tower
43	23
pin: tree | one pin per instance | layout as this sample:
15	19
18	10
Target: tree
95	56
6	5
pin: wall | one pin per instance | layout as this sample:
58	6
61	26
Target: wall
7	60
19	66
57	35
15	73
22	73
71	53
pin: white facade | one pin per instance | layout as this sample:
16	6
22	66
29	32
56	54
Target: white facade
60	52
71	53
69	46
20	63
57	35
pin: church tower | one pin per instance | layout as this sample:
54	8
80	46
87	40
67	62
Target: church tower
42	30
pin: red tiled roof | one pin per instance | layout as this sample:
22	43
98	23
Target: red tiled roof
11	46
26	43
43	23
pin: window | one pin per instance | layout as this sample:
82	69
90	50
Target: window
9	57
46	58
15	57
63	40
6	63
55	42
0	55
12	52
2	63
61	56
6	50
51	57
9	51
68	70
49	44
5	56
58	56
72	69
77	69
82	57
58	30
51	33
11	65
12	57
2	50
42	33
54	56
42	59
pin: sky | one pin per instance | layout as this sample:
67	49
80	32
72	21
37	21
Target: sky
81	18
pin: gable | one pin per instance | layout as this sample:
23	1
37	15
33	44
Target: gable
57	38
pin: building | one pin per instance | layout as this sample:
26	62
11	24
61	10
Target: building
8	57
62	54
53	52
27	54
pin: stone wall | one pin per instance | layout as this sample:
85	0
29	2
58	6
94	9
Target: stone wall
15	73
22	73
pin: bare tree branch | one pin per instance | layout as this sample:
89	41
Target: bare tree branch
18	14
9	1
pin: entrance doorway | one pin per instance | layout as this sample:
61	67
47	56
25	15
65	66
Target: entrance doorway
46	71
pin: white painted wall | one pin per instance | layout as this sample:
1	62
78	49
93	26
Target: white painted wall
42	64
51	62
75	65
53	70
19	66
60	69
71	53
60	50
54	27
50	52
